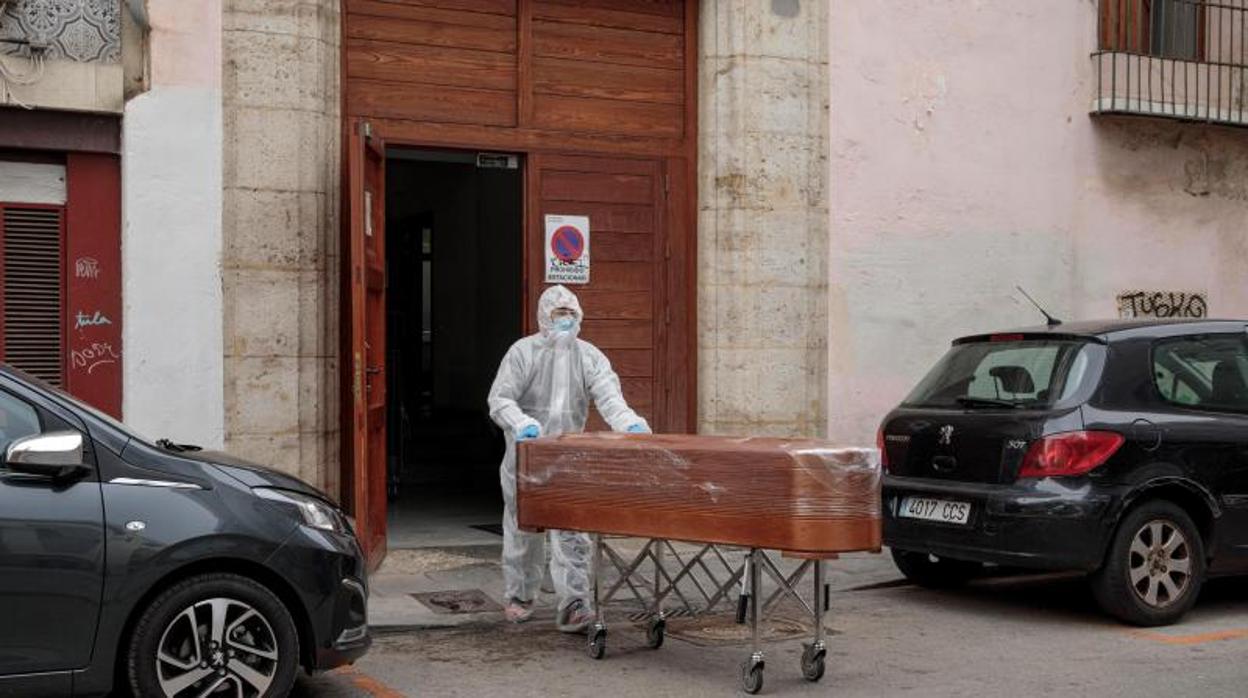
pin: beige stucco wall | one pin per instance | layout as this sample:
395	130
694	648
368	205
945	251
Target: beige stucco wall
280	255
763	224
66	85
964	162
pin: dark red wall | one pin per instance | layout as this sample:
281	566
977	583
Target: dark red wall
93	280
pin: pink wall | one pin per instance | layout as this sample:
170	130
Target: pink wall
185	43
964	162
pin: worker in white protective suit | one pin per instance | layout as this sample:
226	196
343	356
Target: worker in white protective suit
543	388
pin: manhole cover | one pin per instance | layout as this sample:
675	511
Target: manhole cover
469	601
722	629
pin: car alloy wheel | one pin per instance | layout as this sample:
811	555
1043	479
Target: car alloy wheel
218	646
1159	563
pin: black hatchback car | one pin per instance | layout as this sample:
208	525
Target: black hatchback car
157	568
1119	448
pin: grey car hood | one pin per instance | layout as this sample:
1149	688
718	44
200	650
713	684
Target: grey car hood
253	474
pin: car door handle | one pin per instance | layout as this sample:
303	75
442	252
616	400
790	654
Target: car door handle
944	464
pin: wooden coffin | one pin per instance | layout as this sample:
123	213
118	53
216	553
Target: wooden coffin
781	494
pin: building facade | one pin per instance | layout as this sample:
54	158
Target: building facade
977	147
331	216
254	138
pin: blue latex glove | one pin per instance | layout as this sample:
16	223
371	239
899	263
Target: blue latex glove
530	432
638	429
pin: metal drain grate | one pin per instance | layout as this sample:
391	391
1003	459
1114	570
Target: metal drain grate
455	602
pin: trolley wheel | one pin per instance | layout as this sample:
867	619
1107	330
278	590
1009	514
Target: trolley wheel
813	663
752	677
655	633
597	646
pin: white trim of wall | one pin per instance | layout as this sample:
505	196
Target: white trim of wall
174	376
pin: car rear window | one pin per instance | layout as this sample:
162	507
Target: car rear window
1016	373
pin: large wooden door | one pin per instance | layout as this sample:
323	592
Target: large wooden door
366	170
625	299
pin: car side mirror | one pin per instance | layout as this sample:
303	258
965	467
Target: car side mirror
57	455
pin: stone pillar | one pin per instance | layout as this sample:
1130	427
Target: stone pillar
763	219
281	231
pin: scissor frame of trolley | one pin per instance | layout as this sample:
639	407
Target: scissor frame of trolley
718	587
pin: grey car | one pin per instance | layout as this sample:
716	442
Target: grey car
158	568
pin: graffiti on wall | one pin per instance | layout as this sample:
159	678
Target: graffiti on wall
1163	304
87	268
94	356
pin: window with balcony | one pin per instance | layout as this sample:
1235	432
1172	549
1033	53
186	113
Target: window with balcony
1182	59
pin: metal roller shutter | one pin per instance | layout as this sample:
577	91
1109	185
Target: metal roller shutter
33	301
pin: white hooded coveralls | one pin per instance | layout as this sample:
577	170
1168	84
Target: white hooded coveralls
547	379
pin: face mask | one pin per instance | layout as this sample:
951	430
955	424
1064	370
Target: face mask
564	324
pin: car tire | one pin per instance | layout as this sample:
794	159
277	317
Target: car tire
211	629
1150	578
934	572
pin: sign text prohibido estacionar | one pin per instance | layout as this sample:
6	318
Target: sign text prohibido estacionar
567	249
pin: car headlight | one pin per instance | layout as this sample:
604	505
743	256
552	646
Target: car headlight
312	511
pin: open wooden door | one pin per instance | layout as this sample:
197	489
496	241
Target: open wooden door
366	171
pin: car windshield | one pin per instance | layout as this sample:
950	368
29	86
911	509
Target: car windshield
1014	374
98	414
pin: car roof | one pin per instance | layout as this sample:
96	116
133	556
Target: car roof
1110	329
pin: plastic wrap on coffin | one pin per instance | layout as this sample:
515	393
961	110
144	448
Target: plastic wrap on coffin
783	494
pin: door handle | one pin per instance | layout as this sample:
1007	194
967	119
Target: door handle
372	370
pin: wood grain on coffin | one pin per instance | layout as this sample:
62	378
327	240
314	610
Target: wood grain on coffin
802	496
430	65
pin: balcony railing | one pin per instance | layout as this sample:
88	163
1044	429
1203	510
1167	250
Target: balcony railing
1179	59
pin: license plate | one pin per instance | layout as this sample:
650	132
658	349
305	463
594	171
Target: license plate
942	510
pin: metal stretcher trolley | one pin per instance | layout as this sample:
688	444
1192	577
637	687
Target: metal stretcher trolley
731	497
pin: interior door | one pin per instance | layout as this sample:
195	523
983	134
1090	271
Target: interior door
366	171
624	301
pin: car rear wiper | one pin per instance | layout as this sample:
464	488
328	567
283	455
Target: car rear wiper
176	448
968	401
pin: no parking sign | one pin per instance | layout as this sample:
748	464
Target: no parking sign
567	249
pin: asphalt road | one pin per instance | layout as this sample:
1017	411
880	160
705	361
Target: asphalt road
1021	636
